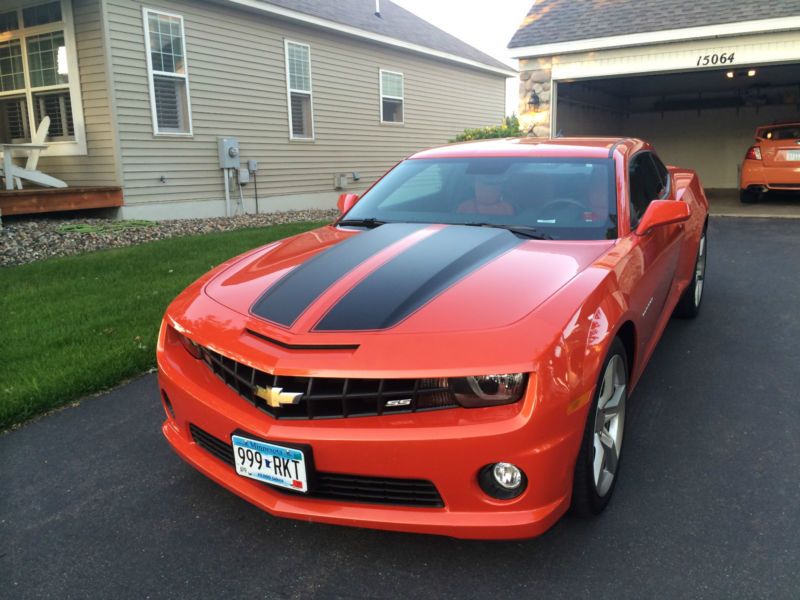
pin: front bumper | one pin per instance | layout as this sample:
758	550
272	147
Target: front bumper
446	447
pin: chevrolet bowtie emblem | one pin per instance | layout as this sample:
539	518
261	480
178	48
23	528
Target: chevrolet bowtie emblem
275	396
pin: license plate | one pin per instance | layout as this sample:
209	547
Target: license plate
793	155
270	463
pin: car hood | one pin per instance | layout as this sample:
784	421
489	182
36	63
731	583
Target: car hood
399	278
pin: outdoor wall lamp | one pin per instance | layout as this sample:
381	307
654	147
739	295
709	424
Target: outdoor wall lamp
534	102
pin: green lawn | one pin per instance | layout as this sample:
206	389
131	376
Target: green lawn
80	324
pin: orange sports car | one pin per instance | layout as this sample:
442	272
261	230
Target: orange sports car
454	354
773	163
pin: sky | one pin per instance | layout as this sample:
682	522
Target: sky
486	24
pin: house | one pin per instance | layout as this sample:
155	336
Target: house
694	78
324	96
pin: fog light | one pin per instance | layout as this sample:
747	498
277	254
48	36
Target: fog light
507	475
502	480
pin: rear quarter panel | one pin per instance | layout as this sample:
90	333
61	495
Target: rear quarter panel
688	189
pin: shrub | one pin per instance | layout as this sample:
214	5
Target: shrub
508	128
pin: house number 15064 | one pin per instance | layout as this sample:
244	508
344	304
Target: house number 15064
715	59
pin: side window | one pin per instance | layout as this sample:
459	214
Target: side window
663	174
645	185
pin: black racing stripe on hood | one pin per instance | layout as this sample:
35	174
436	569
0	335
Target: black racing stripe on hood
286	300
413	278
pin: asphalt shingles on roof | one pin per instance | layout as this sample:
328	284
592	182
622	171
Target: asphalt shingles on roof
552	21
394	21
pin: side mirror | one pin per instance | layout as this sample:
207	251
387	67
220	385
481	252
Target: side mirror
346	202
663	212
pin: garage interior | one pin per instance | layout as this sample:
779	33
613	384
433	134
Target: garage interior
701	119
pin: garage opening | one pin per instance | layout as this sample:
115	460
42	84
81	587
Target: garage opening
701	119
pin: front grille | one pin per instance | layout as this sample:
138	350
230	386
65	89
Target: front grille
335	486
330	397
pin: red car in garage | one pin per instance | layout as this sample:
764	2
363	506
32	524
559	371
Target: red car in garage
772	163
452	356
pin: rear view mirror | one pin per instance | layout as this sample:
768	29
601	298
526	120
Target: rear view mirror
663	212
346	202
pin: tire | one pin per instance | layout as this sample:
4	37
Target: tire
749	196
688	306
595	477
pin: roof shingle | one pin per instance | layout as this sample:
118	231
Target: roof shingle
394	21
553	21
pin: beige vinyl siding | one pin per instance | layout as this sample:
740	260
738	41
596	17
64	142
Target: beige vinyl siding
237	83
98	166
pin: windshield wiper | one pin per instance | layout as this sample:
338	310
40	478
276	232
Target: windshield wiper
524	230
368	223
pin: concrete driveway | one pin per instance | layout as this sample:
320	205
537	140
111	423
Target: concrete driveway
780	205
94	503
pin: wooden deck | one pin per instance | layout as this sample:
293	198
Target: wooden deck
40	200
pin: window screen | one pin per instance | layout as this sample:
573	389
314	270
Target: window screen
14	120
47	59
42	14
8	21
298	77
55	105
169	84
34	74
392	97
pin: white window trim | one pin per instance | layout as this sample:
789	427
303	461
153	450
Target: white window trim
289	91
401	98
76	147
150	72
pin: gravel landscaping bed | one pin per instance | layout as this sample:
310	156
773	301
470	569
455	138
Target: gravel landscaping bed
28	239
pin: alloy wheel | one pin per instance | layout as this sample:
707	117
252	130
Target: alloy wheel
700	271
609	424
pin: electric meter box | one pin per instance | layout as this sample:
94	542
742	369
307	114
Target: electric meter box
228	152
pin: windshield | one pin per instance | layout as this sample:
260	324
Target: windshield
562	198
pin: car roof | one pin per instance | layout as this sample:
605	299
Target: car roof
562	147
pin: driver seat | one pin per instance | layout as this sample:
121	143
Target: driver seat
597	208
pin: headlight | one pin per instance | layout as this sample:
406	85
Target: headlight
191	347
488	390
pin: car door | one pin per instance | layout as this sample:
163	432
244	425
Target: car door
659	249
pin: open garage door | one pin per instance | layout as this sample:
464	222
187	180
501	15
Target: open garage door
702	119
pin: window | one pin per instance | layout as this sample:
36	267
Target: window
645	185
38	77
663	174
391	97
298	86
169	73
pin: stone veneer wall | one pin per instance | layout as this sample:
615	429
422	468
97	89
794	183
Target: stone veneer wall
534	76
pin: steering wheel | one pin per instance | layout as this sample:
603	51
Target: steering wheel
568	203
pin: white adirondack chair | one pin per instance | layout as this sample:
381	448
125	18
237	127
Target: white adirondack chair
14	174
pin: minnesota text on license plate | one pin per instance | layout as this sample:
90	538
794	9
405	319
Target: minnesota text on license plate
278	465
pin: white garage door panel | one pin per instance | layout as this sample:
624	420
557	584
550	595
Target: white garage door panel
682	56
